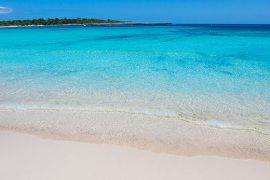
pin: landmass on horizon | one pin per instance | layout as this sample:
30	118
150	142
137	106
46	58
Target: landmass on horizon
77	21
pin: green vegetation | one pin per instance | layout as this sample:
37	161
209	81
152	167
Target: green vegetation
57	21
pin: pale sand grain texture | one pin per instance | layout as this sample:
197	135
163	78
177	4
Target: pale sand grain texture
172	135
29	157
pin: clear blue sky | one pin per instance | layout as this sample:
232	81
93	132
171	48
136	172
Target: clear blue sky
176	11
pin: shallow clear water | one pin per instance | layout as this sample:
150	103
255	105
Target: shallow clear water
213	75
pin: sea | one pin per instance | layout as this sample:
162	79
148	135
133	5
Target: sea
213	75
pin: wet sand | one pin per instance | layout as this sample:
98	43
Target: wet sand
156	133
28	157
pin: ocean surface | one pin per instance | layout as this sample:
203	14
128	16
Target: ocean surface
215	75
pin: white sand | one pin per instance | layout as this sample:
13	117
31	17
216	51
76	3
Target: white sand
29	157
157	133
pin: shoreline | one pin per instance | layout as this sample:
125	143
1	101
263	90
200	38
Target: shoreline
34	158
94	24
158	134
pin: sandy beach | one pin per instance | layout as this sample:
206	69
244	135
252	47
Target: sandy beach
73	144
28	157
173	135
135	102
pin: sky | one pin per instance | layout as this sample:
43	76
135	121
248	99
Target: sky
175	11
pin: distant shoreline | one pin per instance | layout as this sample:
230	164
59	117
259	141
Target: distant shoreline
141	24
93	24
72	22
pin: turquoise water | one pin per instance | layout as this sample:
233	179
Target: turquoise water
212	75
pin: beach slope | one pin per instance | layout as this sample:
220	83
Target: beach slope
28	157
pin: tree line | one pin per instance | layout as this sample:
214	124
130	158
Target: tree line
55	21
